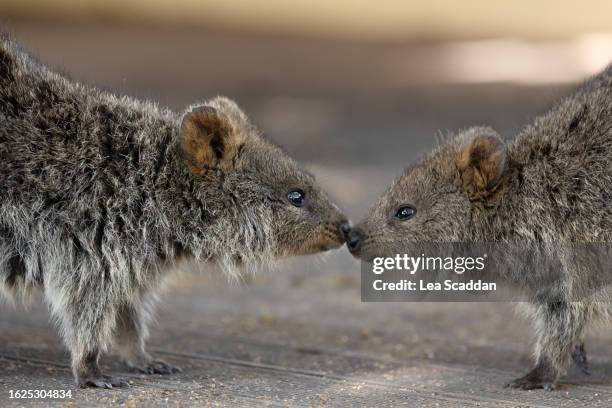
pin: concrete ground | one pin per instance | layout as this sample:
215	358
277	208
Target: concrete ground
299	335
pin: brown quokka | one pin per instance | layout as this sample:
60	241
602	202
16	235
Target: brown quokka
551	185
101	195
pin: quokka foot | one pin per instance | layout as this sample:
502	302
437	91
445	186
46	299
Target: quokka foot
157	367
532	381
101	381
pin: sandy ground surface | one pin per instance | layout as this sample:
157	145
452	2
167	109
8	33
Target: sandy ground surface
299	335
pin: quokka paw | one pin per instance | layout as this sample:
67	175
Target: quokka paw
158	367
101	381
531	382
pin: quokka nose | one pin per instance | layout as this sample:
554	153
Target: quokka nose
353	242
345	229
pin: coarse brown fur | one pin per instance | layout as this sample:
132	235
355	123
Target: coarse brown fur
549	188
102	194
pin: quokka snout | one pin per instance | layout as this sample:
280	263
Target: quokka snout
103	194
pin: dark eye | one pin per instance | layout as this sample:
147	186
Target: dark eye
405	212
297	197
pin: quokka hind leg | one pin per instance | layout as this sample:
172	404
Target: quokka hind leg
579	356
559	327
131	334
86	316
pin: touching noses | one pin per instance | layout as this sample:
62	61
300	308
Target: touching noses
352	236
345	229
354	240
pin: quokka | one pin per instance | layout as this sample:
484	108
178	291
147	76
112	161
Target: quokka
102	194
549	186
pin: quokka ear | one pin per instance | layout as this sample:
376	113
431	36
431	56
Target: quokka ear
209	138
482	162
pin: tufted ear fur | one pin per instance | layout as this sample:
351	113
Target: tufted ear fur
209	138
482	162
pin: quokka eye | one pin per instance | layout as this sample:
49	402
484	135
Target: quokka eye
405	212
297	197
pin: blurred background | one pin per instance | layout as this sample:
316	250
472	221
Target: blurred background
349	87
339	83
355	90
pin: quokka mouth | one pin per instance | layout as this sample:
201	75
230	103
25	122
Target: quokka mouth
324	242
329	245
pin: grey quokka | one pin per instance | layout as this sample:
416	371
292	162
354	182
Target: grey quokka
102	195
551	185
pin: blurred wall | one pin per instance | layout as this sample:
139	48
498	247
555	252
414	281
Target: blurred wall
388	20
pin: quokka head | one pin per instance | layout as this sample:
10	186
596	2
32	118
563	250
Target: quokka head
270	207
433	200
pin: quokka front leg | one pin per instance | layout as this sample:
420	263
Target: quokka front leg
86	314
559	326
131	334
